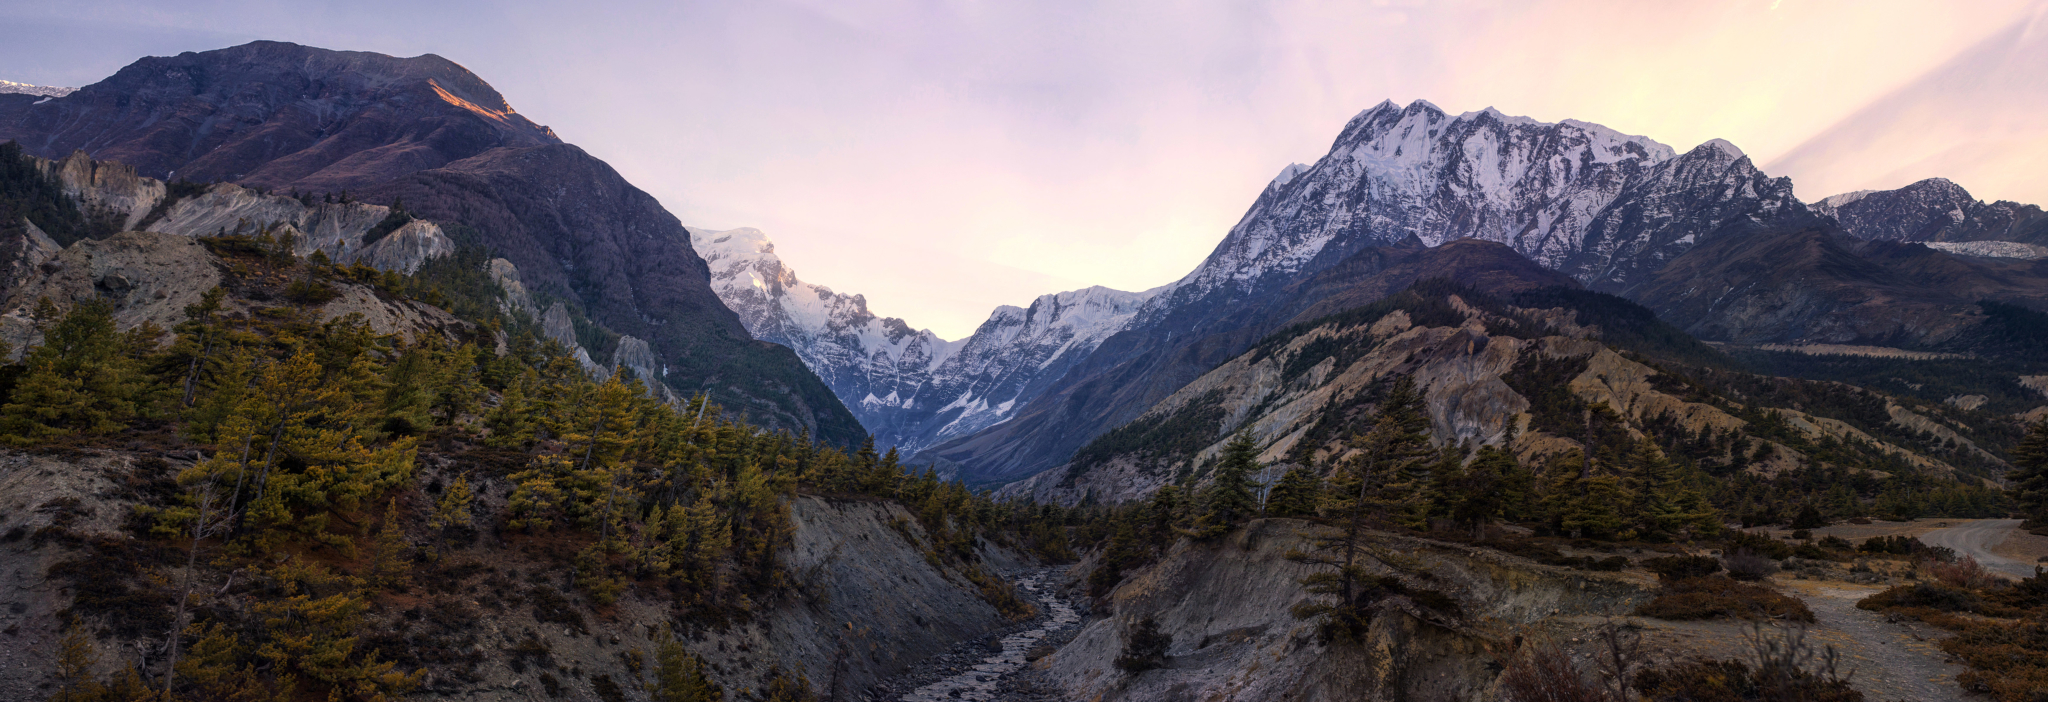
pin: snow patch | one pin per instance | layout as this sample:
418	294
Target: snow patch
1991	249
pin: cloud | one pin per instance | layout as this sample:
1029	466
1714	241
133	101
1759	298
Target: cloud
1975	119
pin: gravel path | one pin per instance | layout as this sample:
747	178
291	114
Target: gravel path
1976	539
986	670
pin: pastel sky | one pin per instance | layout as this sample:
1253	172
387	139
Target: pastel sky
944	158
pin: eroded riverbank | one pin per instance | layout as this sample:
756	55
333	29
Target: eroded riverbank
989	669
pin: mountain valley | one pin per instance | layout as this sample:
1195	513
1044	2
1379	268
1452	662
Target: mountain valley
328	375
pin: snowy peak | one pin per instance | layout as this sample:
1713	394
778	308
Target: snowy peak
1723	146
1414	171
1287	175
908	387
8	87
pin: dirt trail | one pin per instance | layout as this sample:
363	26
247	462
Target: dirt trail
1976	539
1900	661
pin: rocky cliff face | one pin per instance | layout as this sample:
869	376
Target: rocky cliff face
910	388
150	278
1228	608
340	230
277	115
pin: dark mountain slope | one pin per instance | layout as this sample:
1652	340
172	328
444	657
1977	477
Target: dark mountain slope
1935	210
1477	264
1133	370
1811	285
581	234
277	115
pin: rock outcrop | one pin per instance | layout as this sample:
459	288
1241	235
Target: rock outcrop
114	187
1228	608
150	278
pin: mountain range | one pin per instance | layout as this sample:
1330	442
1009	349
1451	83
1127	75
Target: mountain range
1703	238
908	387
1540	353
1706	239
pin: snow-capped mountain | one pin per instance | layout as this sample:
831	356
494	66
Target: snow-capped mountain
1573	196
8	87
1607	208
1935	210
908	387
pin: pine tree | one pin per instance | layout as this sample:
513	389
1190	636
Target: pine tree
511	422
1597	511
388	559
198	339
679	676
1145	647
453	509
1296	495
1392	463
2029	475
1347	589
1483	491
1228	499
80	380
1660	492
75	681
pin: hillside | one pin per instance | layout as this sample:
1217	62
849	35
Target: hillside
427	136
1546	385
343	480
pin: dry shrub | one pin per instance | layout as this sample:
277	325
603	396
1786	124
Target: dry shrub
1675	568
1718	597
1745	564
1545	673
2007	661
1911	599
1782	667
1966	573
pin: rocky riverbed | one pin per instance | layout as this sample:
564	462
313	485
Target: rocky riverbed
992	668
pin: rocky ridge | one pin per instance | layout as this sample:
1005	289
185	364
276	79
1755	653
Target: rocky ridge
277	115
1934	210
